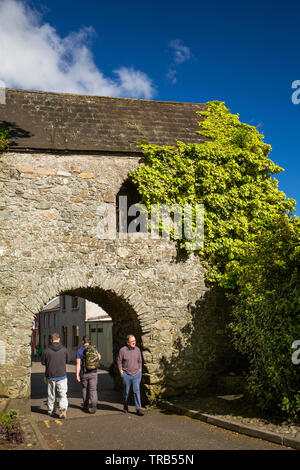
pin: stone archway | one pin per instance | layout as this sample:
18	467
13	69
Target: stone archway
49	246
52	184
108	291
178	336
154	307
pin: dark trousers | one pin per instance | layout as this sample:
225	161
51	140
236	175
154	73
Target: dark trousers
89	388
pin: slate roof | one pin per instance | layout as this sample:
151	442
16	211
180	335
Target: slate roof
66	122
53	304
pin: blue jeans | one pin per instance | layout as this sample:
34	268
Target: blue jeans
135	381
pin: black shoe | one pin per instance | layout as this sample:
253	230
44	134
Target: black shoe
93	409
140	412
125	409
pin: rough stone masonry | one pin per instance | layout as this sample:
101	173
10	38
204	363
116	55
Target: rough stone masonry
69	154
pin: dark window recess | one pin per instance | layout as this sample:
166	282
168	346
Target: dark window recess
75	335
75	302
100	330
128	189
65	336
63	302
93	330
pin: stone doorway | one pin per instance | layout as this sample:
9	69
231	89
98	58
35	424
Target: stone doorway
124	317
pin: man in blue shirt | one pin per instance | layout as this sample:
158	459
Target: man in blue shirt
88	379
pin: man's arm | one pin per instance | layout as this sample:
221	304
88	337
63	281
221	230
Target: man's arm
119	362
78	365
99	355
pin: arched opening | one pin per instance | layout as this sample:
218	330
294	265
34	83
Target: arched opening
66	314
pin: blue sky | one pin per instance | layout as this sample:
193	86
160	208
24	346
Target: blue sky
243	53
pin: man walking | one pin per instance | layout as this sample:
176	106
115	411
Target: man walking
87	378
55	357
130	367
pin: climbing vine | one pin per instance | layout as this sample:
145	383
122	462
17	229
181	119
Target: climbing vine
251	241
230	174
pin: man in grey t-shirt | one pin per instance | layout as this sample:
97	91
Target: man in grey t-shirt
130	367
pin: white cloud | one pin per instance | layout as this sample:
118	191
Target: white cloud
134	82
180	54
171	75
34	56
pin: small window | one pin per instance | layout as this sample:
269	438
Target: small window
65	336
100	330
93	330
75	335
63	302
75	302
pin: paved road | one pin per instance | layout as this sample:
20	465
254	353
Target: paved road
110	429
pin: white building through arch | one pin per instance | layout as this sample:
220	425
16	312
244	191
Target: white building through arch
73	317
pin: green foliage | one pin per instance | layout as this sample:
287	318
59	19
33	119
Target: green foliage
266	315
4	133
230	174
251	240
10	427
9	416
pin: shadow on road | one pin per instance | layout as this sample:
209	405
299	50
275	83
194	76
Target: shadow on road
109	400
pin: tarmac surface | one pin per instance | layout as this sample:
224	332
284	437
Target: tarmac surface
110	399
198	423
110	429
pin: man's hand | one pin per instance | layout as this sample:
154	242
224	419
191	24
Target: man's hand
77	377
121	372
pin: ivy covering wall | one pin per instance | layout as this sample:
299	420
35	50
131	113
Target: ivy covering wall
251	245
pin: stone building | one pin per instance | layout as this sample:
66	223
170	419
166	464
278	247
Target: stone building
68	155
72	318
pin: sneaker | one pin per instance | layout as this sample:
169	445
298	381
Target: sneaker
140	412
93	408
62	414
51	413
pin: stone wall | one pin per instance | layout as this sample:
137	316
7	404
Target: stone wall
49	246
